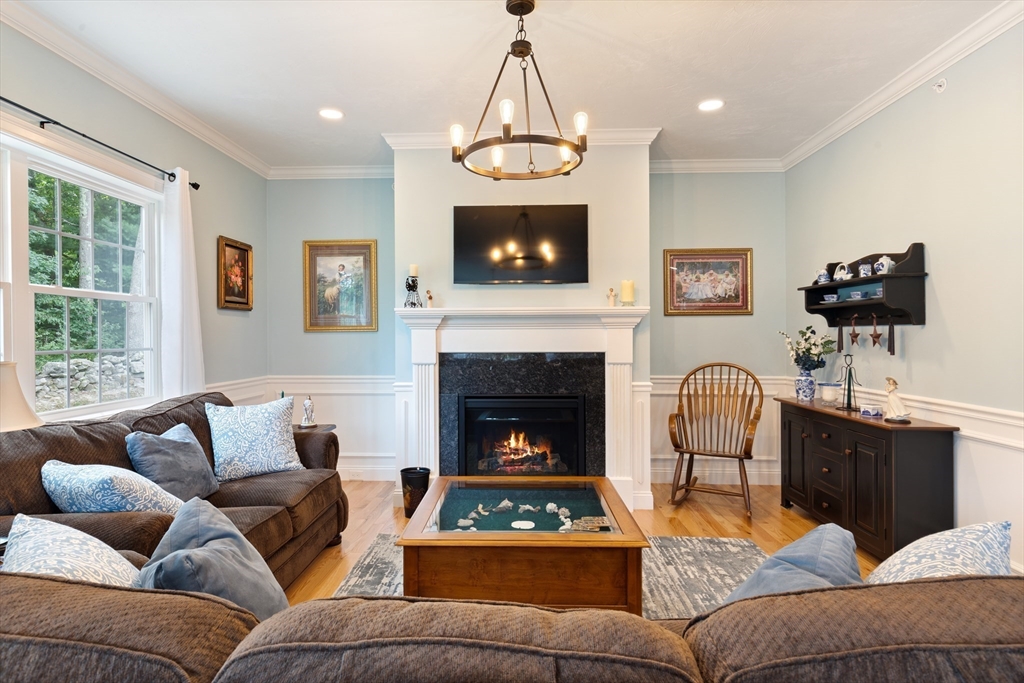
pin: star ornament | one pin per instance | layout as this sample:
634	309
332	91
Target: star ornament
854	336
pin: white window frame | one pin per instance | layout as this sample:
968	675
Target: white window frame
24	147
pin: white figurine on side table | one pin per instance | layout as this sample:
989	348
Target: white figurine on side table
307	413
895	410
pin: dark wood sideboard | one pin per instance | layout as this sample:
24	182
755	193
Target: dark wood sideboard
889	484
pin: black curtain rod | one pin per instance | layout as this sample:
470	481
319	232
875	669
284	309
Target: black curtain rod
44	120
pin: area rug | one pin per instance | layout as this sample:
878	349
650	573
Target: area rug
683	575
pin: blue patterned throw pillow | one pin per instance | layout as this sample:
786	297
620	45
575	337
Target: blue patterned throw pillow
39	546
251	440
103	488
975	549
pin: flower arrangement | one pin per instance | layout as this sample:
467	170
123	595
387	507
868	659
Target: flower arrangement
809	351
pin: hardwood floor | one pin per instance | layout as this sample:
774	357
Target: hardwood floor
371	513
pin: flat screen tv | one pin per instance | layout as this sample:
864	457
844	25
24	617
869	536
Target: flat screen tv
520	244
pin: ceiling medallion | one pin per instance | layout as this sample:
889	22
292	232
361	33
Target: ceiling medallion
569	153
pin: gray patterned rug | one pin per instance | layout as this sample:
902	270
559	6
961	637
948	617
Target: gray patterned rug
683	575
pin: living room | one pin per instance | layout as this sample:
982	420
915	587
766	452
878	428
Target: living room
835	133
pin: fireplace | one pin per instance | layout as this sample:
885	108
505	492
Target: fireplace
511	435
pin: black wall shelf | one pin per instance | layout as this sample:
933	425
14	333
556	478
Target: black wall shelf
902	295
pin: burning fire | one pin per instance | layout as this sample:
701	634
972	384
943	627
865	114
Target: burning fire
518	446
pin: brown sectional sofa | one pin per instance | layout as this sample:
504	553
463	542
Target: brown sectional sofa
288	516
958	629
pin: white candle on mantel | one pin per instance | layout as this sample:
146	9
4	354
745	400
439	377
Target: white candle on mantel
414	270
627	291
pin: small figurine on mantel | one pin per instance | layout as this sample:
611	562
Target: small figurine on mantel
307	413
611	297
895	410
430	299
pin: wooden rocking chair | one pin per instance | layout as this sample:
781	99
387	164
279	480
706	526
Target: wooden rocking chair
719	408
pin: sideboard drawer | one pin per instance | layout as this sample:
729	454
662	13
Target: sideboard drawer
827	506
827	471
827	435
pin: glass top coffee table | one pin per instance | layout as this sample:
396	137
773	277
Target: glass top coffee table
554	541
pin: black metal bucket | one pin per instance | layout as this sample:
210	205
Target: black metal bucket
414	487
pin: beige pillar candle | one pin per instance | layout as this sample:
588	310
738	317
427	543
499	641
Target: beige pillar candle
628	294
414	270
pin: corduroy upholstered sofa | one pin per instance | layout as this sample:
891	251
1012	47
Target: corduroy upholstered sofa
288	516
958	629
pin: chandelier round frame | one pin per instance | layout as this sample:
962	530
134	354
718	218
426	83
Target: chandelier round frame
523	50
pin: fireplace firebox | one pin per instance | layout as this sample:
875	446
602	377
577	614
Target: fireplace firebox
522	435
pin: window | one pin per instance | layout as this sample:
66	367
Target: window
87	266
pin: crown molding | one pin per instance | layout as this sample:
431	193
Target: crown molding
716	166
21	18
990	26
599	136
329	172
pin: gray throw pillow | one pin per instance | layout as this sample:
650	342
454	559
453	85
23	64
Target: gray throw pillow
174	461
202	551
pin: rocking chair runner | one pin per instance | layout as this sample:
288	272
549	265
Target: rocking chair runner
719	408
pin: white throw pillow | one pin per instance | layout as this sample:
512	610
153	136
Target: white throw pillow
104	488
251	440
39	546
970	550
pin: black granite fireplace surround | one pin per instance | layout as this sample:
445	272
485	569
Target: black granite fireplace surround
476	374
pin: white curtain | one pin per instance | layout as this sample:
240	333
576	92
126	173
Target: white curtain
181	339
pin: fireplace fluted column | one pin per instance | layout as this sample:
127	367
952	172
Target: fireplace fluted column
423	447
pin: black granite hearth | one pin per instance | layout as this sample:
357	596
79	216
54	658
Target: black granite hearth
521	373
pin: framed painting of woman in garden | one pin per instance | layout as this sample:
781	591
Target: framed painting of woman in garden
709	281
234	274
340	285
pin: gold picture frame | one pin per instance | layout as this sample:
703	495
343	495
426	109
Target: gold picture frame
339	285
709	281
234	274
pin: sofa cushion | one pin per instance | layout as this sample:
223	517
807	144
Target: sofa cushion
204	552
267	527
102	488
937	630
305	493
189	409
23	452
174	461
36	546
252	440
404	639
137	531
975	549
103	633
825	556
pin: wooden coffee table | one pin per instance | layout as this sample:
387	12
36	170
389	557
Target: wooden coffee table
541	566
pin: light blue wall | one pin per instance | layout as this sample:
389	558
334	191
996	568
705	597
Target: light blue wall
300	210
720	210
232	201
943	169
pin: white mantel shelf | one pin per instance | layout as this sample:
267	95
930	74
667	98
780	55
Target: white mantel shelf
525	317
552	329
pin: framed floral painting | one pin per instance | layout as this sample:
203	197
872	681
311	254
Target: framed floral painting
709	281
340	285
234	274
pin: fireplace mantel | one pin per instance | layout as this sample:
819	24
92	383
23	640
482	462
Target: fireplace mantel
535	330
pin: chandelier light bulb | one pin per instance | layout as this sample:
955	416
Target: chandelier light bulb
497	154
511	247
566	154
506	109
456	133
580	119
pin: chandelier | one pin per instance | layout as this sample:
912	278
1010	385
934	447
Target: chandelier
516	256
570	153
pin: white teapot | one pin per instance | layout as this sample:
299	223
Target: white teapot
843	272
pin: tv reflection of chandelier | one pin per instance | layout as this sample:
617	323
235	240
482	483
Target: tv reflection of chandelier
516	256
570	153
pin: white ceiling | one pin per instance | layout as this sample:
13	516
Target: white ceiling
257	72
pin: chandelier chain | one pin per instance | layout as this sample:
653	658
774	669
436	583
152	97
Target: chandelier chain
521	33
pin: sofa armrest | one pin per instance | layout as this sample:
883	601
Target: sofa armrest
136	531
317	450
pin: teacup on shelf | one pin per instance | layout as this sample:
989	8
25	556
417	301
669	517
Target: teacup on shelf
857	295
831	298
878	292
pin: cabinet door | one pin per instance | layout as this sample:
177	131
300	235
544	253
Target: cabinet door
866	469
796	435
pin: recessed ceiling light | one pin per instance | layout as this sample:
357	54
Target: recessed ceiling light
711	105
332	114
